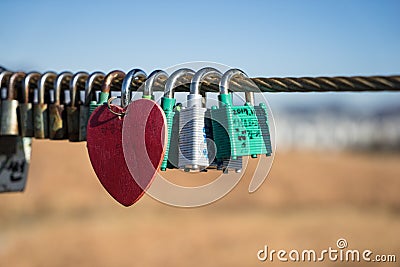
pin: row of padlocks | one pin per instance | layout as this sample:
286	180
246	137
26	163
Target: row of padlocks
59	106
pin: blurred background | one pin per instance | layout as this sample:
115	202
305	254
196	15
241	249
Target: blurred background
336	171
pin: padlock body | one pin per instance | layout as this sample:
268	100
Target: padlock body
9	117
26	119
15	154
73	123
262	116
167	105
57	122
170	123
193	154
40	121
173	151
237	132
83	121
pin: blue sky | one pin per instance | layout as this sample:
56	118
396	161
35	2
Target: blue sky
264	38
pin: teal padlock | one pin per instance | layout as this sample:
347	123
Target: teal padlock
168	104
236	129
113	77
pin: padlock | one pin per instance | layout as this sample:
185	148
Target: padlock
30	83
133	80
4	78
193	143
57	114
168	102
236	129
40	111
14	152
77	84
9	106
93	84
113	78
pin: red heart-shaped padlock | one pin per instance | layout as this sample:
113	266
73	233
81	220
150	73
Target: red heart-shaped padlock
105	147
144	136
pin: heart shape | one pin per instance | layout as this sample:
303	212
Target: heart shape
144	137
106	152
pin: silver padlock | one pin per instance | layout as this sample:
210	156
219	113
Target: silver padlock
168	104
14	153
57	114
29	84
40	112
77	85
9	106
93	84
193	139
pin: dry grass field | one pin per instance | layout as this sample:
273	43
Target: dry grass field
310	199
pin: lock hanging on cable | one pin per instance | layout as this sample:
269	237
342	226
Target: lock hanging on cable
237	129
40	112
9	106
29	85
57	113
193	142
93	82
77	84
168	102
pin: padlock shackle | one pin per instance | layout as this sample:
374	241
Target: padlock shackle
95	77
177	78
47	79
63	78
202	75
132	78
151	82
107	82
228	77
79	78
31	78
4	77
11	90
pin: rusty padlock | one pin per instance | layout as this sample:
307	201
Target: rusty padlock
93	84
40	112
29	84
9	107
77	85
57	114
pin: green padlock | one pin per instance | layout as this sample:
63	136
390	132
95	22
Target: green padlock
168	104
236	129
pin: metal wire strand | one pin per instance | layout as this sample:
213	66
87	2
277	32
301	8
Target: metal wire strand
329	84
